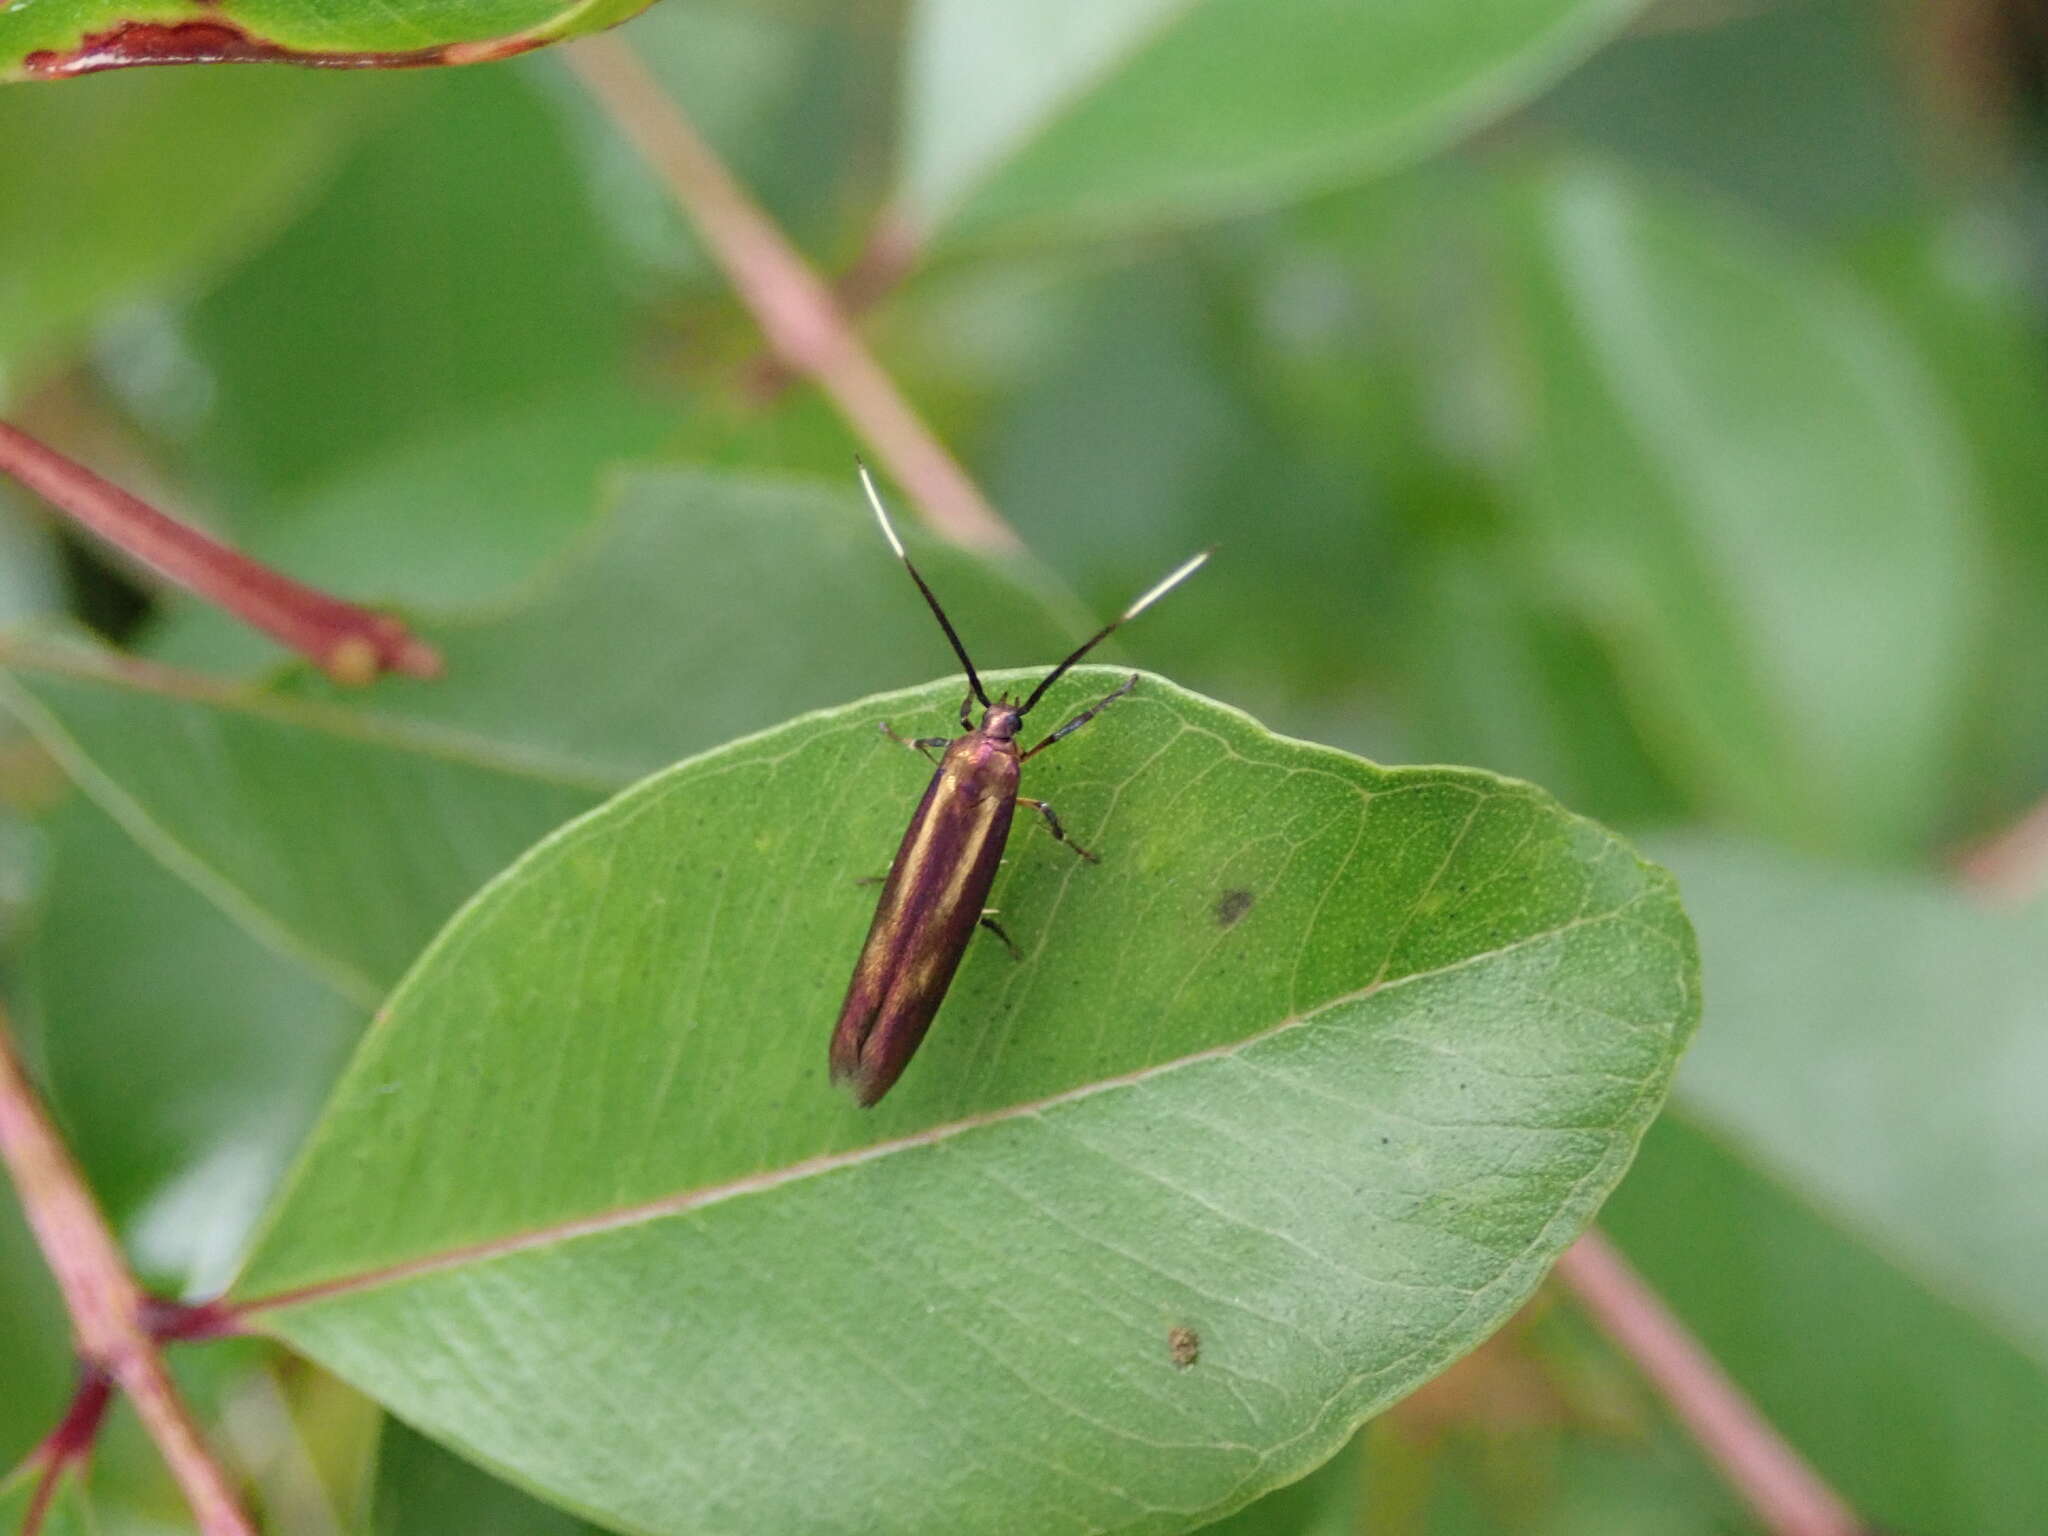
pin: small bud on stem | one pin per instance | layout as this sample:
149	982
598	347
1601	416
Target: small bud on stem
350	644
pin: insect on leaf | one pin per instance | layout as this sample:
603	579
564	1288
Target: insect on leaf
1323	1063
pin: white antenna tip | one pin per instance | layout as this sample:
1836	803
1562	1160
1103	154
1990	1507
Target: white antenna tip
881	516
1179	575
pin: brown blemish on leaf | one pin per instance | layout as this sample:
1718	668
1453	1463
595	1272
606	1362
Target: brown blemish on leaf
1183	1347
1231	906
130	44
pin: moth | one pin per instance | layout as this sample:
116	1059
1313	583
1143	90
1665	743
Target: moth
935	893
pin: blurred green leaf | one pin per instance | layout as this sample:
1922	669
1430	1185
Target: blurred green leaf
1328	1502
344	833
791	96
1746	482
1960	286
1088	118
67	1514
1878	1044
464	516
186	1059
1576	1484
1503	677
1432	1040
73	37
118	189
423	1490
1146	435
35	1341
1810	112
32	582
454	270
1810	1307
339	842
702	606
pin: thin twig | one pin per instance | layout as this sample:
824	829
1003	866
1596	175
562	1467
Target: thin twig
890	254
351	644
2011	865
1788	1496
67	1446
105	1303
800	320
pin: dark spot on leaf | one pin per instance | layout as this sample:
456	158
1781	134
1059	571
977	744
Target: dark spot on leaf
1231	906
129	44
1183	1347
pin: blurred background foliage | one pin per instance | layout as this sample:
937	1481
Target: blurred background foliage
1660	415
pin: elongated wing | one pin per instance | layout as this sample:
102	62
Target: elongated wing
934	896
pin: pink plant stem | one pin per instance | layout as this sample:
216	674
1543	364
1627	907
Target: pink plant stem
2012	865
351	644
799	317
1787	1495
891	253
105	1304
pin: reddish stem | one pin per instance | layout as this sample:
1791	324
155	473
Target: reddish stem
798	316
891	253
351	644
1788	1495
69	1444
2011	865
101	1295
180	1322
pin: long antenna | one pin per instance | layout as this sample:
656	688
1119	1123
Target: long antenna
889	532
1165	585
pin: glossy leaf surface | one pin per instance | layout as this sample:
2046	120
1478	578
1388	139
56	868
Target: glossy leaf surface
1324	1062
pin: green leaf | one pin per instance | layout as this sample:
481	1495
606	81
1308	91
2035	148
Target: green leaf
185	1060
706	604
1089	118
35	1341
1797	111
1501	677
124	188
75	37
650	1262
1961	288
1743	478
333	840
1809	1311
1143	441
67	1514
1328	1502
344	833
31	564
1878	1046
422	1490
469	515
454	270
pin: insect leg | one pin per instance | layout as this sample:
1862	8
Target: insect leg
988	921
1052	824
922	744
1083	718
966	705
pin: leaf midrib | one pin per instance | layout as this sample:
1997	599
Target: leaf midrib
701	1197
